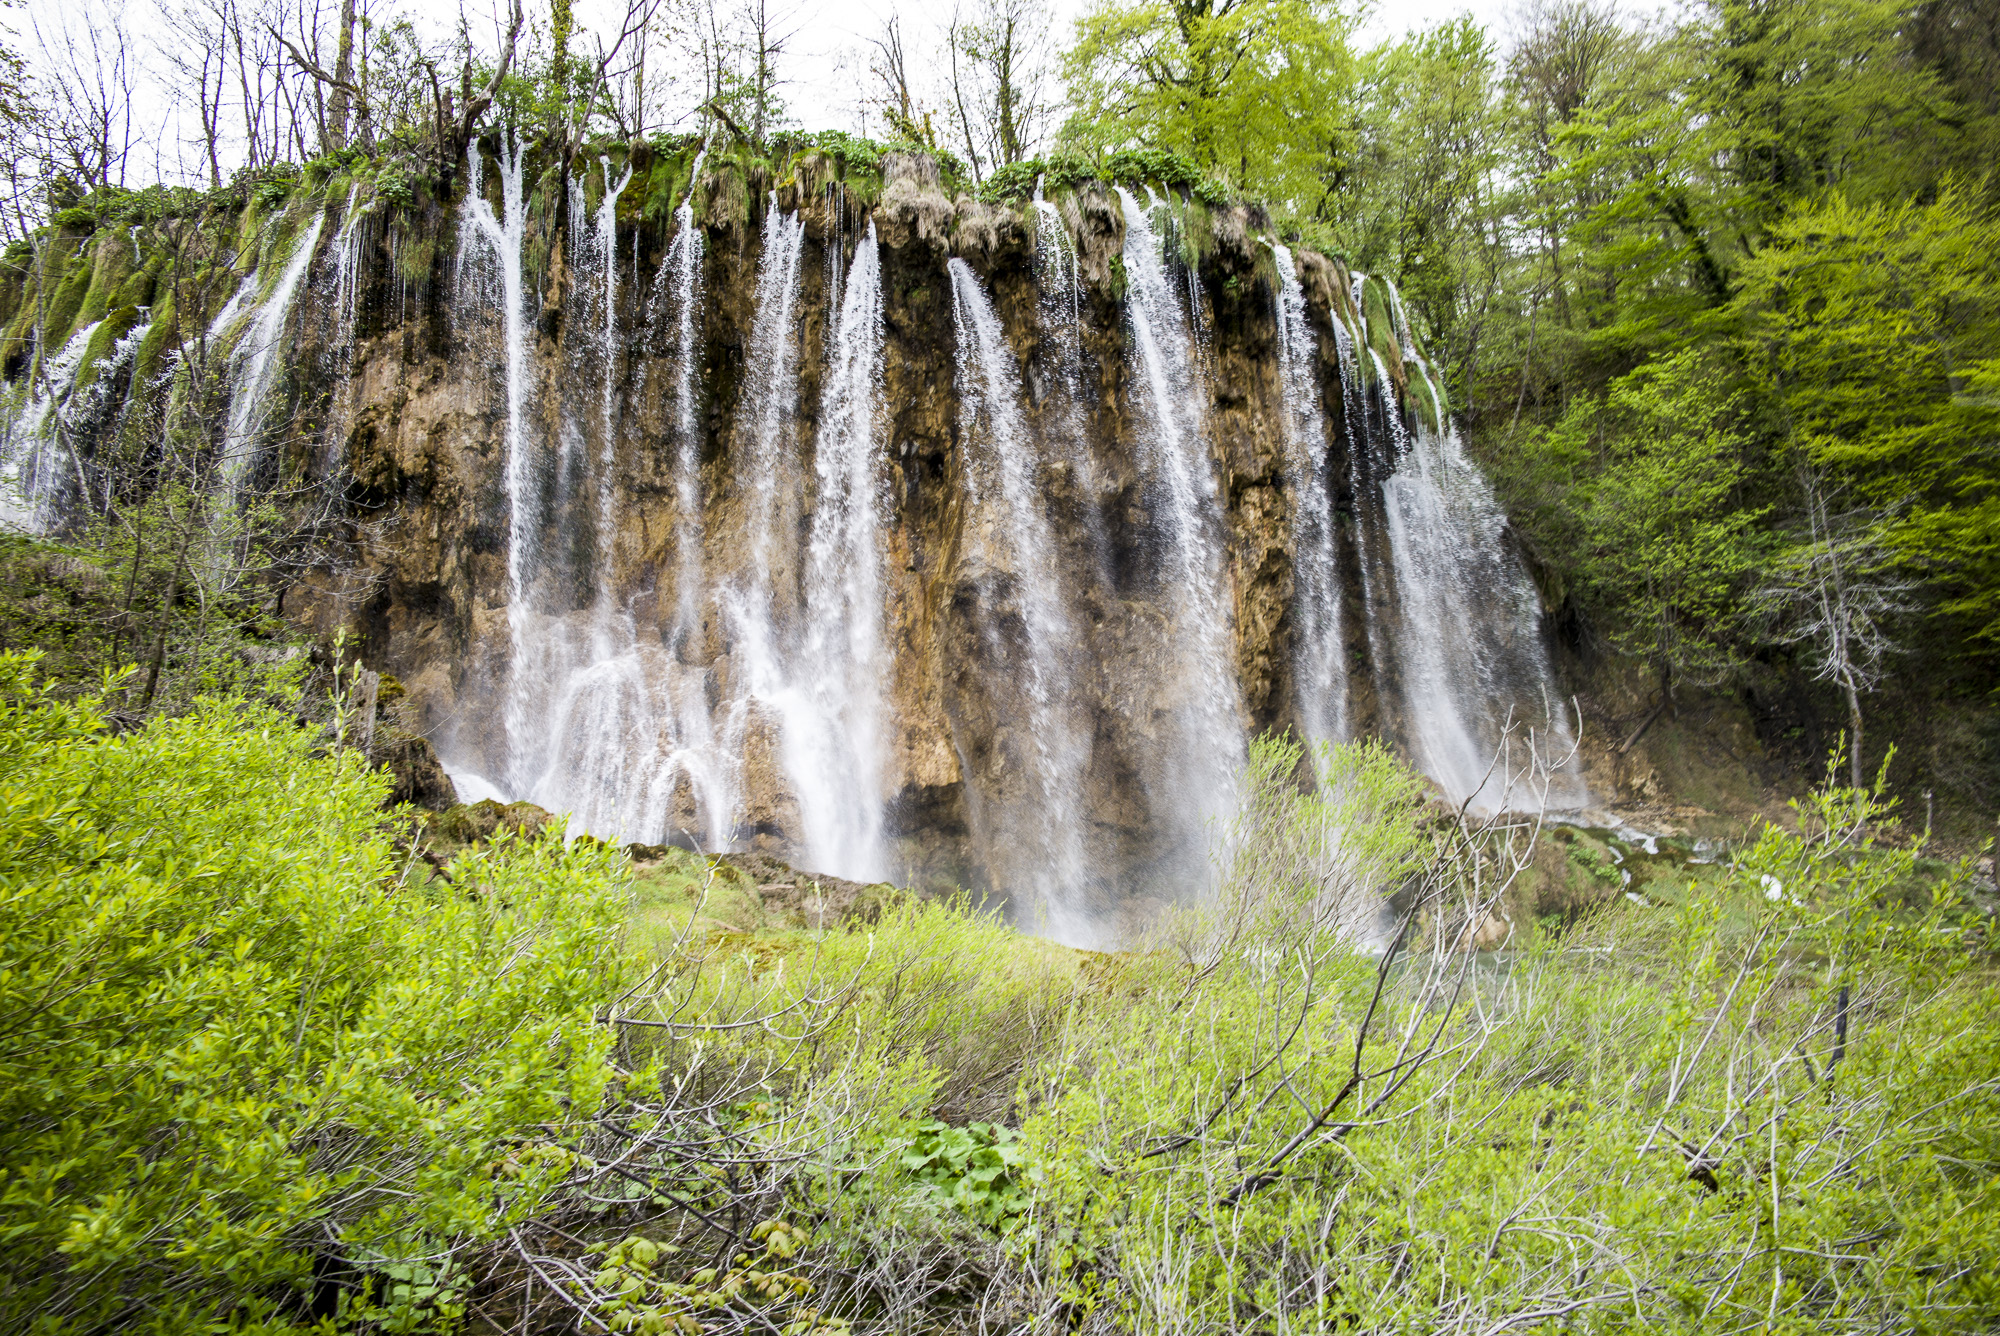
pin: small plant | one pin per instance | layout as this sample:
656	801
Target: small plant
273	193
639	1299
980	1168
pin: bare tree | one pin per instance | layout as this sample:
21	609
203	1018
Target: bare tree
86	86
1832	594
998	59
889	68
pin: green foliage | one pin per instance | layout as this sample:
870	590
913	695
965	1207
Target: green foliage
272	192
1015	182
643	1301
1602	1096
1874	330
1669	541
980	1168
1251	93
238	1032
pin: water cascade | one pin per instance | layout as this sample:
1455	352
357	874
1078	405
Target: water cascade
1198	677
31	469
1320	666
1039	841
256	356
496	239
835	708
683	271
730	532
1468	645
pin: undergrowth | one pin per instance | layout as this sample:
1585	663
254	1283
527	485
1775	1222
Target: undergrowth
264	1072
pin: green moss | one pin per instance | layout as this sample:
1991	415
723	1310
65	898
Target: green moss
65	303
415	257
137	289
111	264
114	326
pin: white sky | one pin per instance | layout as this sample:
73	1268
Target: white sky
824	64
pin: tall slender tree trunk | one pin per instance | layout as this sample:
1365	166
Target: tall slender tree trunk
343	70
1854	729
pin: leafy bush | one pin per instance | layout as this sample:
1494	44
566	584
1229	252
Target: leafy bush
243	1043
979	1168
1015	182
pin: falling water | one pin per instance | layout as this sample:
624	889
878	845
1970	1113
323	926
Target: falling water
1320	657
30	472
1186	520
1468	637
684	258
604	259
501	235
1044	835
769	419
836	706
255	359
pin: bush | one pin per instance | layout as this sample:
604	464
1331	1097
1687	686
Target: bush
244	1046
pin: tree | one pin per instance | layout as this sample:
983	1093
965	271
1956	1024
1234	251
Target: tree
1870	329
889	68
999	70
1669	544
1833	590
1417	196
1251	90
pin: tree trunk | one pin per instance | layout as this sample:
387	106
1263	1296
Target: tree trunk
1854	727
343	70
166	621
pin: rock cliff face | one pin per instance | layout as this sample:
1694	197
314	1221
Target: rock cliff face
900	536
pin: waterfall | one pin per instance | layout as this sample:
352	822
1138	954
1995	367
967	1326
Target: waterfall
1468	636
604	261
1043	834
1196	663
30	472
500	235
683	264
254	360
1319	658
768	418
1479	711
836	706
346	277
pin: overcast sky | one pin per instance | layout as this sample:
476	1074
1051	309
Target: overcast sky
824	64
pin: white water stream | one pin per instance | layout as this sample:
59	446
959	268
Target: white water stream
1196	783
1320	654
1038	841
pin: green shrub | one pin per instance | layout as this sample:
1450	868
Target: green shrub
979	1168
237	1035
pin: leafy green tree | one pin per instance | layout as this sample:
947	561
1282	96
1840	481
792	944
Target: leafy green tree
1669	543
1872	329
1252	91
1417	193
